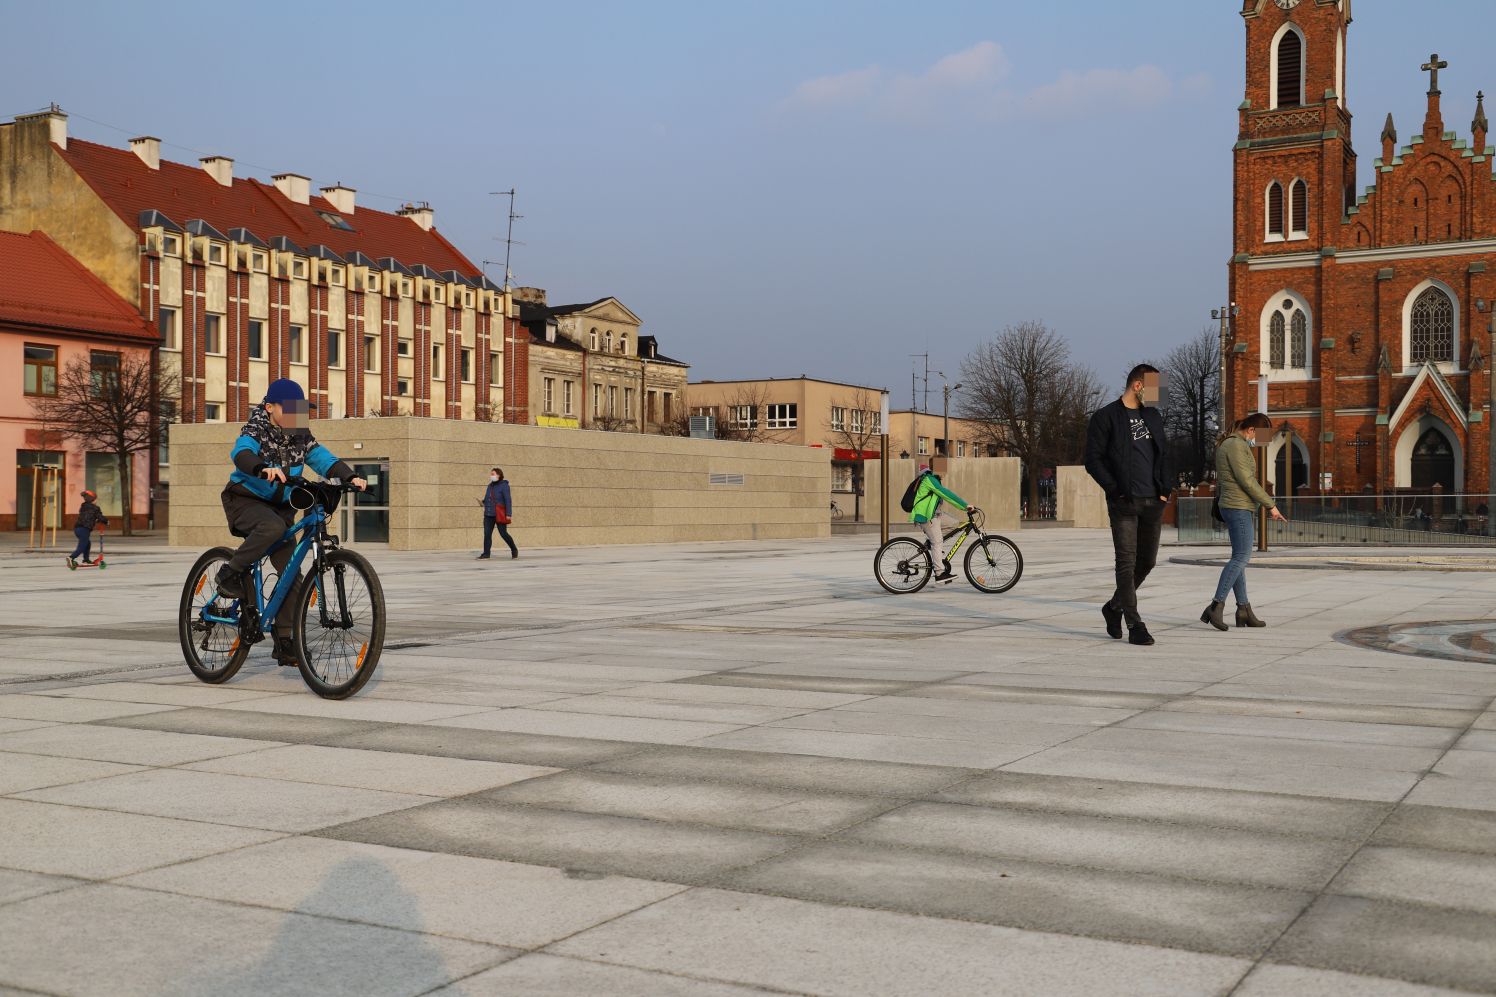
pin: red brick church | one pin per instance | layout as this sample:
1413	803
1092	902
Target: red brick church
1368	316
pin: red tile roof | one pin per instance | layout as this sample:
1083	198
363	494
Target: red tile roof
41	285
183	193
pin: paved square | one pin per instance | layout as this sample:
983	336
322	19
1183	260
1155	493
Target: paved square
743	768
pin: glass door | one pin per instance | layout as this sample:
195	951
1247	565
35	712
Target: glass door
366	519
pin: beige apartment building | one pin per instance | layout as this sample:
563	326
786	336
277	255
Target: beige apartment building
591	368
923	434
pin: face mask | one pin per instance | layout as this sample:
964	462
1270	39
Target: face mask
493	477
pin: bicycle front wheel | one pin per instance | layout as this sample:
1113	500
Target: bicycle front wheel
994	564
903	565
339	625
214	651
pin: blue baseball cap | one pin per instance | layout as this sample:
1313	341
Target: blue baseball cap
286	390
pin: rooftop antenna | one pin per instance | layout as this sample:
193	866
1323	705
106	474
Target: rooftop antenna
509	235
913	402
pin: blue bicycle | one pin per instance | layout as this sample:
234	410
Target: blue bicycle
337	610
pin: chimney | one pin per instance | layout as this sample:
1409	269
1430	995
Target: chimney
421	214
148	148
220	168
340	197
57	124
294	186
533	295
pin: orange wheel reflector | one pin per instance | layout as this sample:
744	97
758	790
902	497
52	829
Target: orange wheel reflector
200	583
361	652
313	603
235	647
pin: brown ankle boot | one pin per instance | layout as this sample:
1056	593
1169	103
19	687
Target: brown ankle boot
1246	618
1212	615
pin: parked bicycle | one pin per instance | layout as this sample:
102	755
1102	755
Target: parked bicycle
836	512
337	610
993	563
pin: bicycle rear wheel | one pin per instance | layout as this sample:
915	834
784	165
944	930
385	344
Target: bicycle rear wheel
339	625
903	565
994	564
213	651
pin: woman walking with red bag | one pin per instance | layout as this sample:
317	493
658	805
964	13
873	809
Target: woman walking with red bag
498	511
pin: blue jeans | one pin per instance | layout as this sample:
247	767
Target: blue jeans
85	542
1241	524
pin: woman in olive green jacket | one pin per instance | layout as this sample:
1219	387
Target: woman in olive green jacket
1240	496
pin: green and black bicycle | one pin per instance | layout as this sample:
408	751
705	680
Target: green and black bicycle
993	563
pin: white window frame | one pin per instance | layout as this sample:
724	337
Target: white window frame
212	411
465	362
743	417
174	340
403	346
1274	303
340	361
402	386
371	354
623	343
838	418
216	253
857	421
1452	366
214	318
259	261
924	445
438	367
548	396
1272	56
597	400
254	347
568	399
171	245
298	268
628	402
296	344
782	415
335	275
495	369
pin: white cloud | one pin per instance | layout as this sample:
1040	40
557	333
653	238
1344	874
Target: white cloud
970	84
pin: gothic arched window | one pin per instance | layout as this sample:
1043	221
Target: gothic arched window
1432	327
1298	341
1275	209
1290	66
1298	222
1275	341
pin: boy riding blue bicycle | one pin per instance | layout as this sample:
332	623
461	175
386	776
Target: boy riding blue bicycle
274	445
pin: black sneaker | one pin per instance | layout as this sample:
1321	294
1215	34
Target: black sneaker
945	572
1137	633
1113	619
285	652
229	584
513	555
481	557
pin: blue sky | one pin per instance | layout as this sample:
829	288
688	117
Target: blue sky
776	188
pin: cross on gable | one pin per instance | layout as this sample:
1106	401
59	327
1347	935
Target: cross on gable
1433	66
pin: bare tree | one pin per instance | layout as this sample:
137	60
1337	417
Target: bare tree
744	417
110	407
853	426
1192	409
1031	399
679	424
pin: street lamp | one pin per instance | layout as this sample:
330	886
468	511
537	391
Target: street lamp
948	389
1224	316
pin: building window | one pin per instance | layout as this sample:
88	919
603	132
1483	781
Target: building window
163	440
402	387
783	416
668	399
1290	69
612	401
371	355
213	334
567	405
436	363
166	323
171	245
103	370
1298	219
1275	338
402	347
1275	210
259	261
623	343
1298	341
215	252
857	422
212	411
335	276
960	448
628	403
467	365
256	339
924	444
41	369
597	400
838	418
298	269
550	396
372	281
297	344
743	417
334	348
594	340
1432	327
608	342
495	370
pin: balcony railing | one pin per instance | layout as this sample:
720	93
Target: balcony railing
1360	520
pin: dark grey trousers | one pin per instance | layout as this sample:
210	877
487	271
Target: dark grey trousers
262	525
1137	524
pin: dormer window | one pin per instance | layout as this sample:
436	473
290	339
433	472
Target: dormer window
171	245
438	294
259	261
215	252
335	276
406	288
467	299
336	221
298	268
374	282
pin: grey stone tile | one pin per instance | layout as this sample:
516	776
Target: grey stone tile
239	723
539	975
484	745
1248	811
803	772
806	683
872	747
17	885
747	695
140	942
1403	735
1213	854
1443	828
1120	681
961	691
1315	710
626	846
1478	740
609	728
382	710
943	728
1422	876
1468	765
991	712
1437	790
501	903
121	744
834	950
1267	980
8	725
100	844
1268	750
20	772
736	714
1427	945
227	799
18	706
383	770
1223	773
195	694
1208	917
751	808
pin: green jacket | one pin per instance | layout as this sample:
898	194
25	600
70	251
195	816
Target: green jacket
928	496
1236	476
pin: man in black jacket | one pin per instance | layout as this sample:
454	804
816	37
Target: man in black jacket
1127	455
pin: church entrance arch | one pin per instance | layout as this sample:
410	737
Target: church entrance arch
1287	468
1428	453
1433	462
